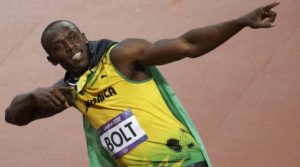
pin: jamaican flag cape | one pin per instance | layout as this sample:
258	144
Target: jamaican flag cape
98	157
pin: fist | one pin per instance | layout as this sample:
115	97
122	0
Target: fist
55	98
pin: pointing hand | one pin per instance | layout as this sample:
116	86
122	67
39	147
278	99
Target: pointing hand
263	17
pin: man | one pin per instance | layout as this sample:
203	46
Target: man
136	117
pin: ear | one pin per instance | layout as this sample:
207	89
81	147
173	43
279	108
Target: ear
51	60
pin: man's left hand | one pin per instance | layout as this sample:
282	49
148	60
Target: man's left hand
263	17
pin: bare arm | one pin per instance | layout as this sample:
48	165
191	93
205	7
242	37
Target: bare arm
193	43
203	40
37	104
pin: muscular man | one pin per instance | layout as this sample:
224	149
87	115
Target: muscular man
125	101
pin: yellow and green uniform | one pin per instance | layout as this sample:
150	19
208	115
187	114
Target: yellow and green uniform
167	135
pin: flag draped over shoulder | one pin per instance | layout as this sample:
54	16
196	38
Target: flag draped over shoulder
98	156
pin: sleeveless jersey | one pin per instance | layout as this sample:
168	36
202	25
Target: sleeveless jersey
133	121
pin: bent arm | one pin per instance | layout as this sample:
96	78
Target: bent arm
37	104
194	43
200	41
20	109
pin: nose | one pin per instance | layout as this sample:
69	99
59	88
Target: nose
69	46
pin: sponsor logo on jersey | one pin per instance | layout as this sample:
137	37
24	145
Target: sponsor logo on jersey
104	94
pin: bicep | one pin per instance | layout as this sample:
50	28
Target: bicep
166	51
132	53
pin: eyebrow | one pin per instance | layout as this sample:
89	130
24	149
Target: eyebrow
57	41
72	31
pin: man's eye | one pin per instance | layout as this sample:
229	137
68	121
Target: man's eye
58	47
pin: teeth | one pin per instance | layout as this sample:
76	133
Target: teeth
77	56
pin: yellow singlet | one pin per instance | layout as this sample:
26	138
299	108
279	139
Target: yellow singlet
134	123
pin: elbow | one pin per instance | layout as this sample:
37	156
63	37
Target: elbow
188	49
11	119
8	116
183	47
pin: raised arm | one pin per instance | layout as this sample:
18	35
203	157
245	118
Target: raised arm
37	104
196	42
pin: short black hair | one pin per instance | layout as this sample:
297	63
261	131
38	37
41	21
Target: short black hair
45	34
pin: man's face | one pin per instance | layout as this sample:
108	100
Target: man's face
67	47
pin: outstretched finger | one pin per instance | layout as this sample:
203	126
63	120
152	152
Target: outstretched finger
270	6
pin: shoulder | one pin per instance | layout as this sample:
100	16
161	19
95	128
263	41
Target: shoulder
131	46
134	41
126	55
129	51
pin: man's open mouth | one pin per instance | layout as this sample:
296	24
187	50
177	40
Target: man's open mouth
77	56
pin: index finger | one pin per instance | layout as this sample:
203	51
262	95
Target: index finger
270	6
62	92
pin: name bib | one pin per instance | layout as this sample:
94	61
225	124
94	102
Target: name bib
121	134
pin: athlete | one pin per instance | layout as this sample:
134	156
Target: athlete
132	117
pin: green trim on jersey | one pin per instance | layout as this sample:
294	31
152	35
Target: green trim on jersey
100	158
177	109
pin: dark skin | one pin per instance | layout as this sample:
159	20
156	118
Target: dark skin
66	47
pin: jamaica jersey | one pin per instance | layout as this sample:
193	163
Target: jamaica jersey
134	123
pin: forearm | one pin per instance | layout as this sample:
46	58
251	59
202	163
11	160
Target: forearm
192	44
20	109
37	104
203	40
